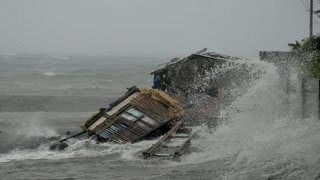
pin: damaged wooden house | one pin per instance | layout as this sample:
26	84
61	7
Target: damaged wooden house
142	114
138	115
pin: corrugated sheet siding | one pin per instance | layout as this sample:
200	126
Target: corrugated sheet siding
120	129
109	121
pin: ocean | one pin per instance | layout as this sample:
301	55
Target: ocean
42	97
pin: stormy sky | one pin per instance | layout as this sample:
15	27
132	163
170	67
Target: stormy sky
151	27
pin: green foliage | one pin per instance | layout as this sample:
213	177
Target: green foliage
308	53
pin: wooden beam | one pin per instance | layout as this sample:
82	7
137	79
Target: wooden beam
182	148
167	136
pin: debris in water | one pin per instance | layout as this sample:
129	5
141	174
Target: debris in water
142	114
139	114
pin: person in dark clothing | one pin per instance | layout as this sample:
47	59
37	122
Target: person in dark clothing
158	78
157	81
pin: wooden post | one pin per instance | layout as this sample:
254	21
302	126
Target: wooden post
80	133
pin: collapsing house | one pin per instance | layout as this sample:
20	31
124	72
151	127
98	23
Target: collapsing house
133	116
139	114
142	114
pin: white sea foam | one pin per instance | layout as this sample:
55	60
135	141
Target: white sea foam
37	131
43	152
61	58
78	148
49	73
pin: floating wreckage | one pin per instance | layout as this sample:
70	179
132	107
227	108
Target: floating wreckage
139	114
142	114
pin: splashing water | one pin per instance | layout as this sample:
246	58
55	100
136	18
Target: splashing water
258	139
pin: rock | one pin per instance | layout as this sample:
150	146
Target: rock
58	146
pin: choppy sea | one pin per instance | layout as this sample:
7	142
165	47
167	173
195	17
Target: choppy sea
44	96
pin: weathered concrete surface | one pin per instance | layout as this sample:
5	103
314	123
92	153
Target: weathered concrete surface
308	86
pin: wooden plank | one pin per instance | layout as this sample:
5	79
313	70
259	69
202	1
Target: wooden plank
167	136
108	122
122	132
94	118
98	122
182	148
123	103
127	134
162	155
130	134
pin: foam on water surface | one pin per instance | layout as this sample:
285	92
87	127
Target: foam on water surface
261	137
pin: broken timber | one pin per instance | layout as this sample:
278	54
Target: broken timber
151	150
179	150
182	148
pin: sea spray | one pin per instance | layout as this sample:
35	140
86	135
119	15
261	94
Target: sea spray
258	137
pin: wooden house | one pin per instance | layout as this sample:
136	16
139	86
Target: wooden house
139	113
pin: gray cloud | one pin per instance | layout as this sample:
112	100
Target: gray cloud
150	27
